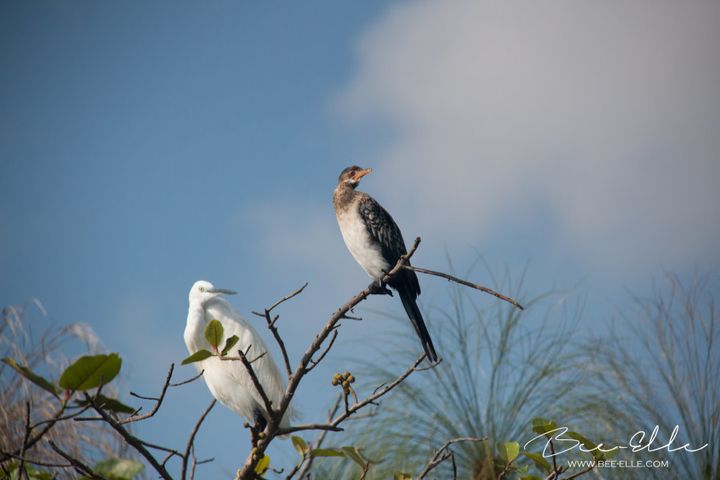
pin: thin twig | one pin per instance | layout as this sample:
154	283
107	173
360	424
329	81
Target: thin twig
333	425
129	438
76	463
189	380
441	454
34	462
256	382
325	352
375	396
228	357
26	436
158	402
464	282
454	466
30	443
62	418
308	459
506	469
429	367
191	439
276	335
274	330
552	453
309	426
193	464
581	472
287	297
172	451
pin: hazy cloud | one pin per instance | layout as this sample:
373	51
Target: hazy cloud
604	116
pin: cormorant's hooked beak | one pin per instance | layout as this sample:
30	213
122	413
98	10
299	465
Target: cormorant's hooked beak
224	291
361	173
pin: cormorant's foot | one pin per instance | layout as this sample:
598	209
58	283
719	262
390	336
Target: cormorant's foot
378	288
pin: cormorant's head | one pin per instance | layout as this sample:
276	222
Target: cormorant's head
202	291
351	175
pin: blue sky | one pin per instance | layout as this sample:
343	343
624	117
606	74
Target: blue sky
146	146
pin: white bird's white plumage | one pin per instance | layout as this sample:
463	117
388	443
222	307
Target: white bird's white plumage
229	381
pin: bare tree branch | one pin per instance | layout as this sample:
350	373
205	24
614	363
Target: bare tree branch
443	453
189	380
324	352
158	401
191	441
256	382
273	428
32	461
333	424
50	423
378	393
76	463
287	297
464	282
129	438
581	472
26	436
273	328
308	459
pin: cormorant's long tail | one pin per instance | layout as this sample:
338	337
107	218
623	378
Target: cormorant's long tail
413	312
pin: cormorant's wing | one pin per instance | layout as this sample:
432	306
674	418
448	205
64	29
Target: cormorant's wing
383	229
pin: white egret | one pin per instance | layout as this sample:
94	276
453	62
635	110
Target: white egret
228	380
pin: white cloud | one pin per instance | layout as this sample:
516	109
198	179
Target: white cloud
605	114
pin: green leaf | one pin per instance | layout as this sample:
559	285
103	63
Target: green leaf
90	371
354	454
530	477
198	356
229	343
299	444
214	333
509	450
35	474
587	444
32	376
326	452
610	454
108	403
118	468
32	472
262	464
402	476
539	460
542	425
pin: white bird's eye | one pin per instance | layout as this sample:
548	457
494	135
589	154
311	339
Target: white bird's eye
202	289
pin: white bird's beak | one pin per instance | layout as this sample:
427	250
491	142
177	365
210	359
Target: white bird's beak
224	291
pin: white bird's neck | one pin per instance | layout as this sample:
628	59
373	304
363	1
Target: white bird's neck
195	326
